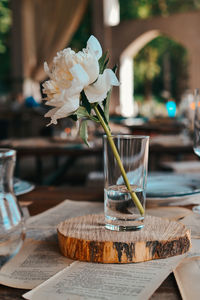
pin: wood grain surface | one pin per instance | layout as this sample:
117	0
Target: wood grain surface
85	238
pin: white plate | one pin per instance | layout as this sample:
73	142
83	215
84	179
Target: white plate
172	185
22	187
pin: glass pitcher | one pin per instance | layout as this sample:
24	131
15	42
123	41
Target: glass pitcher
12	230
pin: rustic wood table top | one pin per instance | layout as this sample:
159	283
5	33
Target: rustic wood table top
43	198
41	146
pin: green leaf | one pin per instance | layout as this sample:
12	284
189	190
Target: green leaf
103	61
82	112
106	104
94	118
84	132
73	117
85	102
114	69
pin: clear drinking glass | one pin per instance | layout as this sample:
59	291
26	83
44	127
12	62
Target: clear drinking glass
12	230
196	145
120	211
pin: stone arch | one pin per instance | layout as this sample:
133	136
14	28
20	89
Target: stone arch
134	34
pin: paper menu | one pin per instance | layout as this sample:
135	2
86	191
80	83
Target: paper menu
43	226
187	277
40	257
105	281
65	210
192	221
36	262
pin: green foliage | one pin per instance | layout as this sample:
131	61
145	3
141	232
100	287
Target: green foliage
103	61
142	9
148	66
5	26
73	117
80	37
85	102
84	132
106	104
83	113
5	23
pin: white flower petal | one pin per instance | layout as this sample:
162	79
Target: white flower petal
51	112
94	45
97	91
71	105
55	102
79	73
50	88
111	77
90	64
62	63
46	69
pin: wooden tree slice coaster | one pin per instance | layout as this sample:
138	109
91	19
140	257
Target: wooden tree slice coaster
86	239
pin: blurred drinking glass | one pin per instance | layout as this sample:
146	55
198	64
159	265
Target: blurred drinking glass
196	144
197	123
12	230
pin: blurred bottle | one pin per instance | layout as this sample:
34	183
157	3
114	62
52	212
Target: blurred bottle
12	230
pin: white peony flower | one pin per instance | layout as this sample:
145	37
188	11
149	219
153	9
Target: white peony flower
71	74
97	91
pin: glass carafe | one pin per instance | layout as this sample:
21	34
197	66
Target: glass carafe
196	145
12	230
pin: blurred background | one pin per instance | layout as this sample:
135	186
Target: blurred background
155	44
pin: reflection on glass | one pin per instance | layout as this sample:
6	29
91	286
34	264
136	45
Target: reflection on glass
196	145
11	219
197	123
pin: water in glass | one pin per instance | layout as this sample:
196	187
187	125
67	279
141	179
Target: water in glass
119	206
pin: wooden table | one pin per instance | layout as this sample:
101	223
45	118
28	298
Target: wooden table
163	125
40	147
43	147
43	198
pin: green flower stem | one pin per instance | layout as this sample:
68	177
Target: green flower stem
116	154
